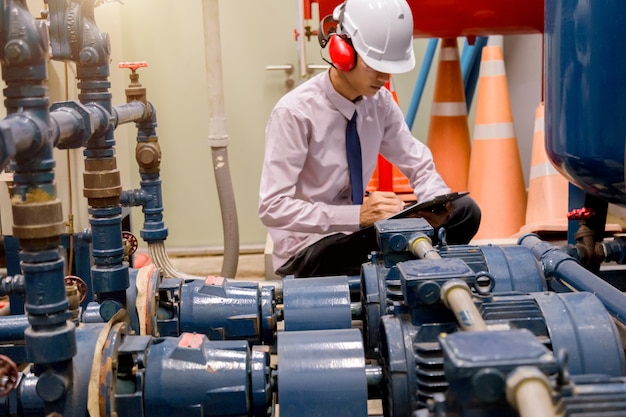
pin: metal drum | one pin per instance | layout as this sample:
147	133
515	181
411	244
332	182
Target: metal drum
585	101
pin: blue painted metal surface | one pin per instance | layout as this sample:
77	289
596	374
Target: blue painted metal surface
591	339
193	376
412	358
12	328
12	250
92	312
322	373
394	236
502	269
316	303
146	376
478	364
470	67
420	83
224	309
512	268
585	127
154	229
564	268
25	397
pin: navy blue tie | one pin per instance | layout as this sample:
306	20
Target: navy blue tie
355	164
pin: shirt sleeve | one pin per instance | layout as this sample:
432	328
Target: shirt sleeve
280	204
412	157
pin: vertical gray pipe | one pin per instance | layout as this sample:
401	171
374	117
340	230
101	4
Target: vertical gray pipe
218	137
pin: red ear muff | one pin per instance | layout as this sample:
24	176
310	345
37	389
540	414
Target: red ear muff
341	52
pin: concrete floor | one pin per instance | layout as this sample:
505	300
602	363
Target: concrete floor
251	266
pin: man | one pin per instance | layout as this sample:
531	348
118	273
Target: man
308	200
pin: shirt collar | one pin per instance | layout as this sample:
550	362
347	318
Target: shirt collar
345	106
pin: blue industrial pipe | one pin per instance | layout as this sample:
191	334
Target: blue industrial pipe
557	264
149	159
470	66
12	328
76	37
37	212
74	123
421	82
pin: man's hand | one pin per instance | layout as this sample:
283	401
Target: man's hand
437	215
378	206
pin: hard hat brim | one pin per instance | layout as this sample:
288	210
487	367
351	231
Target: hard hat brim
391	67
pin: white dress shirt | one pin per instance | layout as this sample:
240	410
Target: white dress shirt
305	184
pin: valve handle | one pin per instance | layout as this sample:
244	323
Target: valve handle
133	65
8	375
580	214
130	243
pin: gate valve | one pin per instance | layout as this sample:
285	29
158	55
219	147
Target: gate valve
130	243
81	286
590	252
580	214
133	66
135	91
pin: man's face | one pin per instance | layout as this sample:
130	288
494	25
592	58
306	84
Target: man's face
368	79
365	81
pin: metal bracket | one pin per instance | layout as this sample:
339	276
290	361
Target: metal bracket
289	82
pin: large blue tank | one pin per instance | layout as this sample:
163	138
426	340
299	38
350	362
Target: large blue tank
585	93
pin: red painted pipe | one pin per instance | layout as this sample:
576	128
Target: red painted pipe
452	18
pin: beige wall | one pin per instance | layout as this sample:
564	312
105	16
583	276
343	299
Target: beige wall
168	34
254	34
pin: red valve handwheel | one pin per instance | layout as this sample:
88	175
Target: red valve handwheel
580	214
133	65
8	375
131	241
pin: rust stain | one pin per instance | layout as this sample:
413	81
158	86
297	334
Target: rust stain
37	195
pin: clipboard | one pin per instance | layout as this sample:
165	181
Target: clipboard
430	205
369	232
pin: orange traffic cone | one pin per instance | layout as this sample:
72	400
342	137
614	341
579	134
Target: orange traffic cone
546	210
448	133
496	180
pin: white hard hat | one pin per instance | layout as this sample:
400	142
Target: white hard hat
381	32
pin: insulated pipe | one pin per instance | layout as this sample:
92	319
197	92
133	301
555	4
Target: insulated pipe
422	247
569	272
218	136
160	258
528	391
457	296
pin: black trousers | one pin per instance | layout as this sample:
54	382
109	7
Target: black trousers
342	254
